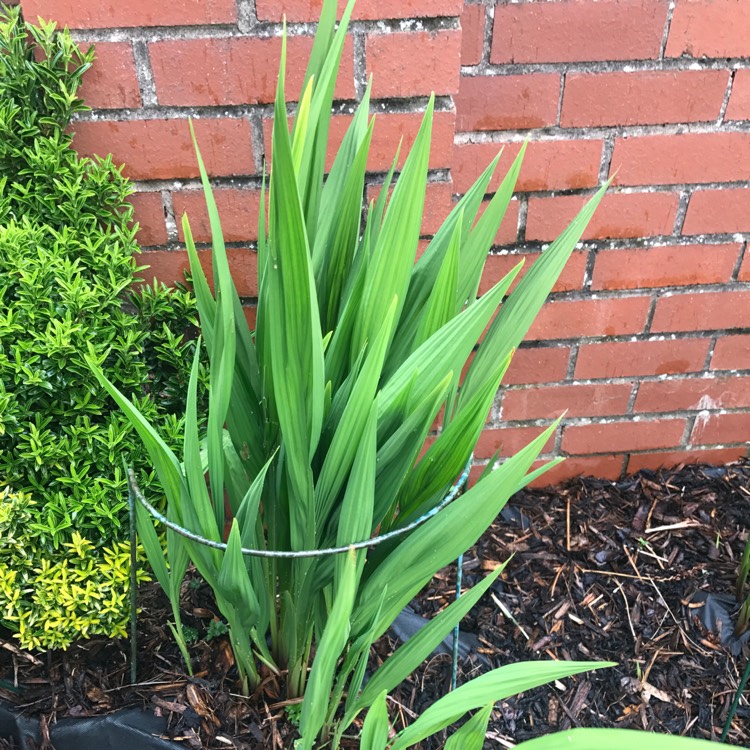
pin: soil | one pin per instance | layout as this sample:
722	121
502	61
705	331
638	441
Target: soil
600	571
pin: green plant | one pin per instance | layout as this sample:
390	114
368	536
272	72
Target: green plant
317	419
67	263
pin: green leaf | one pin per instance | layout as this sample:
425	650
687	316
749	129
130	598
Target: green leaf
331	645
472	734
395	251
491	687
442	538
399	665
614	739
376	727
518	312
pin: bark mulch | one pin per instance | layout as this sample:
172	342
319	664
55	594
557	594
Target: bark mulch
600	571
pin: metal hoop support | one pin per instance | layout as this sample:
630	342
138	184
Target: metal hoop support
374	541
134	493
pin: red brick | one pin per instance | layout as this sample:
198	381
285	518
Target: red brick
508	440
391	61
547	165
472	36
107	14
507	102
601	467
149	213
111	82
722	429
702	312
238	210
578	31
739	100
622	359
309	10
595	400
438	204
390	128
670	459
538	365
618	215
565	319
497	266
690	157
235	70
709	28
169	266
163	150
731	353
718	211
642	97
671	265
615	437
690	394
744	274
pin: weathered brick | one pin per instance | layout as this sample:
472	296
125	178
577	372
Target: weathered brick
238	210
601	467
497	266
235	70
709	28
565	319
702	312
594	400
111	82
739	100
507	102
731	353
622	436
169	266
106	14
390	128
547	165
691	394
309	10
690	157
391	61
472	34
618	215
718	211
163	150
722	429
578	31
538	364
670	265
149	213
622	359
642	97
668	459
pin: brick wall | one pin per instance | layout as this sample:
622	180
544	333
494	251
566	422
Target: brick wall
646	340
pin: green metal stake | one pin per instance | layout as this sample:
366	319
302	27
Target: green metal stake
736	701
133	580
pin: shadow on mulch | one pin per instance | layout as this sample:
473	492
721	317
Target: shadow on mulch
600	571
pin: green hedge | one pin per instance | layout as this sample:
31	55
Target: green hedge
67	267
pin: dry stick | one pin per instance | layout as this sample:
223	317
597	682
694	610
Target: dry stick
627	609
507	613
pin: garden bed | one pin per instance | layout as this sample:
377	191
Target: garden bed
600	571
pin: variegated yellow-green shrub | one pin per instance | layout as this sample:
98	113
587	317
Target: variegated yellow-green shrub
46	594
68	261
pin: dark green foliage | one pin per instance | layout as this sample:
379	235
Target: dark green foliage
67	266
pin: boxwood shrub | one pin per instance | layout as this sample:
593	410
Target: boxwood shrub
67	270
